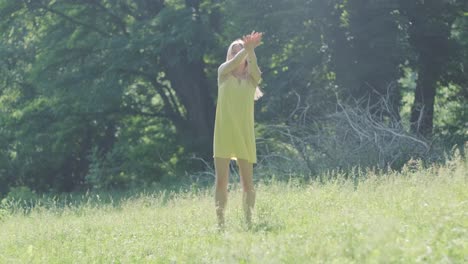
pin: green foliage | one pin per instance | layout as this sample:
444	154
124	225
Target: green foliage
82	74
20	197
452	117
109	94
142	156
21	193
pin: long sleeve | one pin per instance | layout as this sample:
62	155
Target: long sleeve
231	64
253	68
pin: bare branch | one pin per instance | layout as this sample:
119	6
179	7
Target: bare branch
356	134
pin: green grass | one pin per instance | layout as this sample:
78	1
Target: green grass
407	217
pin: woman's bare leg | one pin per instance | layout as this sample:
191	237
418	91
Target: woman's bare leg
222	179
248	196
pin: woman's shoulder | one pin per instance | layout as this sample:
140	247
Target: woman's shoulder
222	78
220	67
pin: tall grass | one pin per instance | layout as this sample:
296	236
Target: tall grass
418	215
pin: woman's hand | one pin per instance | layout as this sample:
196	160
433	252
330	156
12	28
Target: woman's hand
252	40
248	42
257	38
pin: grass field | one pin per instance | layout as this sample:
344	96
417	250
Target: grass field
408	217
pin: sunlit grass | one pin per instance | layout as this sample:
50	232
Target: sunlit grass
419	216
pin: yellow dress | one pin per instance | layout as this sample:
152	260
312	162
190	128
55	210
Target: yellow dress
234	135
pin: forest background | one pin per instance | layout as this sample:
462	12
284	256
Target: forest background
106	94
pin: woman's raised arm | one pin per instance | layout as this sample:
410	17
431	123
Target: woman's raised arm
253	69
254	40
233	63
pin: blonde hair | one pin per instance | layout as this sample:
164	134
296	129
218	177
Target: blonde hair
229	51
258	92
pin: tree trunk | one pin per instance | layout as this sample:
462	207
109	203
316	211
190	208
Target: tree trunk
429	29
433	55
422	110
193	90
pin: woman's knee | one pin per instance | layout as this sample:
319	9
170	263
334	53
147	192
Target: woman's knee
221	183
246	173
222	172
221	165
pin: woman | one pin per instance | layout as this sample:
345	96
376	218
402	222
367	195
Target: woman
234	136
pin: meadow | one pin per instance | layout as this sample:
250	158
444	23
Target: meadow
413	216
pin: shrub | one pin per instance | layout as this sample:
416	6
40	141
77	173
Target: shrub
356	135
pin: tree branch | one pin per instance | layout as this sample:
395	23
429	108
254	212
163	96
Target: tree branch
120	23
71	19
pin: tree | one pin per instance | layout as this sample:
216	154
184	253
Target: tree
366	46
89	66
429	29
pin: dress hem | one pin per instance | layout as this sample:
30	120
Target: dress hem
234	158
